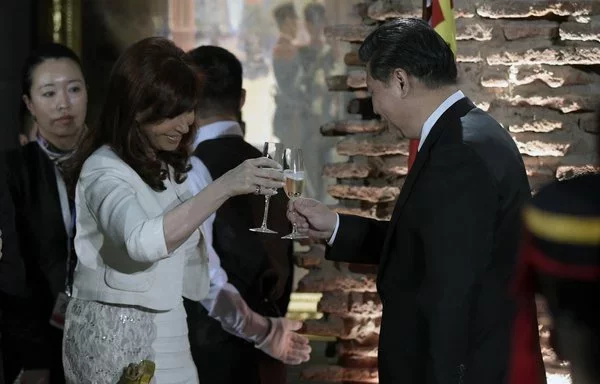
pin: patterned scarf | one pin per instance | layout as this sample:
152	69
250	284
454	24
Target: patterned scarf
58	156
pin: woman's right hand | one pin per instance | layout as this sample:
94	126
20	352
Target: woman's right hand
260	176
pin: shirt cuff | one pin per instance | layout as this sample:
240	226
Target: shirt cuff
335	231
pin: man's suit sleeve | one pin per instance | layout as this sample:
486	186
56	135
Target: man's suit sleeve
458	236
358	240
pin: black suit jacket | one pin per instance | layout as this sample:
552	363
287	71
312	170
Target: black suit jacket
43	244
447	256
258	265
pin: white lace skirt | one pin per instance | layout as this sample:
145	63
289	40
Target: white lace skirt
101	339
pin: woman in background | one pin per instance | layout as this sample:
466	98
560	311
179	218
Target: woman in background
138	239
54	93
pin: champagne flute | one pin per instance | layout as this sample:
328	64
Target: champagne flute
273	151
293	174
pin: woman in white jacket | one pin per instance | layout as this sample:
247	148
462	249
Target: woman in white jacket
137	238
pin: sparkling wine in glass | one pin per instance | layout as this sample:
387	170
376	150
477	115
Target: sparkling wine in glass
293	174
273	151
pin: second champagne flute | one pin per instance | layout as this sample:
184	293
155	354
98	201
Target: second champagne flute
273	151
294	182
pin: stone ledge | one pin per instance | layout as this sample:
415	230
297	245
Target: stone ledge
539	148
386	144
346	328
510	9
358	303
566	172
346	170
581	32
387	9
327	279
552	76
533	119
370	194
480	30
538	52
352	348
337	374
578	98
344	127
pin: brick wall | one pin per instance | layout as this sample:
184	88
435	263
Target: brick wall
533	64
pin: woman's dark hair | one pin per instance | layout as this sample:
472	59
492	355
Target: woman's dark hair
41	54
152	80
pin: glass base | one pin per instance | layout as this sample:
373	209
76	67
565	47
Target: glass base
263	230
295	236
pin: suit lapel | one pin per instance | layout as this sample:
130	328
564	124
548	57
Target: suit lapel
455	112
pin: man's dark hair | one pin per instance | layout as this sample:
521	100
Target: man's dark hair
284	11
410	44
222	73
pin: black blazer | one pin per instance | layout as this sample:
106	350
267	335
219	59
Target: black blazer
43	244
447	256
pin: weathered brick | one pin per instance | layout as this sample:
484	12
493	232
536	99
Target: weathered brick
359	303
370	194
526	53
344	127
351	59
580	31
387	9
564	99
357	78
311	259
589	123
541	148
469	52
346	170
385	144
499	9
566	172
389	165
352	348
358	362
515	30
554	76
533	119
362	106
349	32
370	213
346	328
328	279
480	30
337	374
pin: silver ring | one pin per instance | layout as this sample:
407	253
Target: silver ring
258	190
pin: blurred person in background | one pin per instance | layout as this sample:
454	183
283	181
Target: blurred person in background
55	95
257	269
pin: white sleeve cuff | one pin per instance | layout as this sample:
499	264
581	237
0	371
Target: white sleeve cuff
335	231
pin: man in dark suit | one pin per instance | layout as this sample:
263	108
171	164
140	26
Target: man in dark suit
258	267
447	256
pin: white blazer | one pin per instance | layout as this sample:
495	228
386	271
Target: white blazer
120	242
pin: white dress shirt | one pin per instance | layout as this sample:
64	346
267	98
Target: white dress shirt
223	302
427	126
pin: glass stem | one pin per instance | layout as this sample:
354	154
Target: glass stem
264	222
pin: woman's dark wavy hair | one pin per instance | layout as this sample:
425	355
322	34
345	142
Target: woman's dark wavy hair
152	80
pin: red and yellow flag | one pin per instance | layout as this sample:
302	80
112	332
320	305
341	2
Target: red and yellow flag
440	15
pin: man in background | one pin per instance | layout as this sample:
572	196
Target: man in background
258	267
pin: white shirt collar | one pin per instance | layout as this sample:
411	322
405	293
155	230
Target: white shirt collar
216	129
433	118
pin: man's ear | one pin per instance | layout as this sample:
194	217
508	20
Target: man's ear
242	98
401	79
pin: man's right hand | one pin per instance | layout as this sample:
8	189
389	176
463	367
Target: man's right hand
312	217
